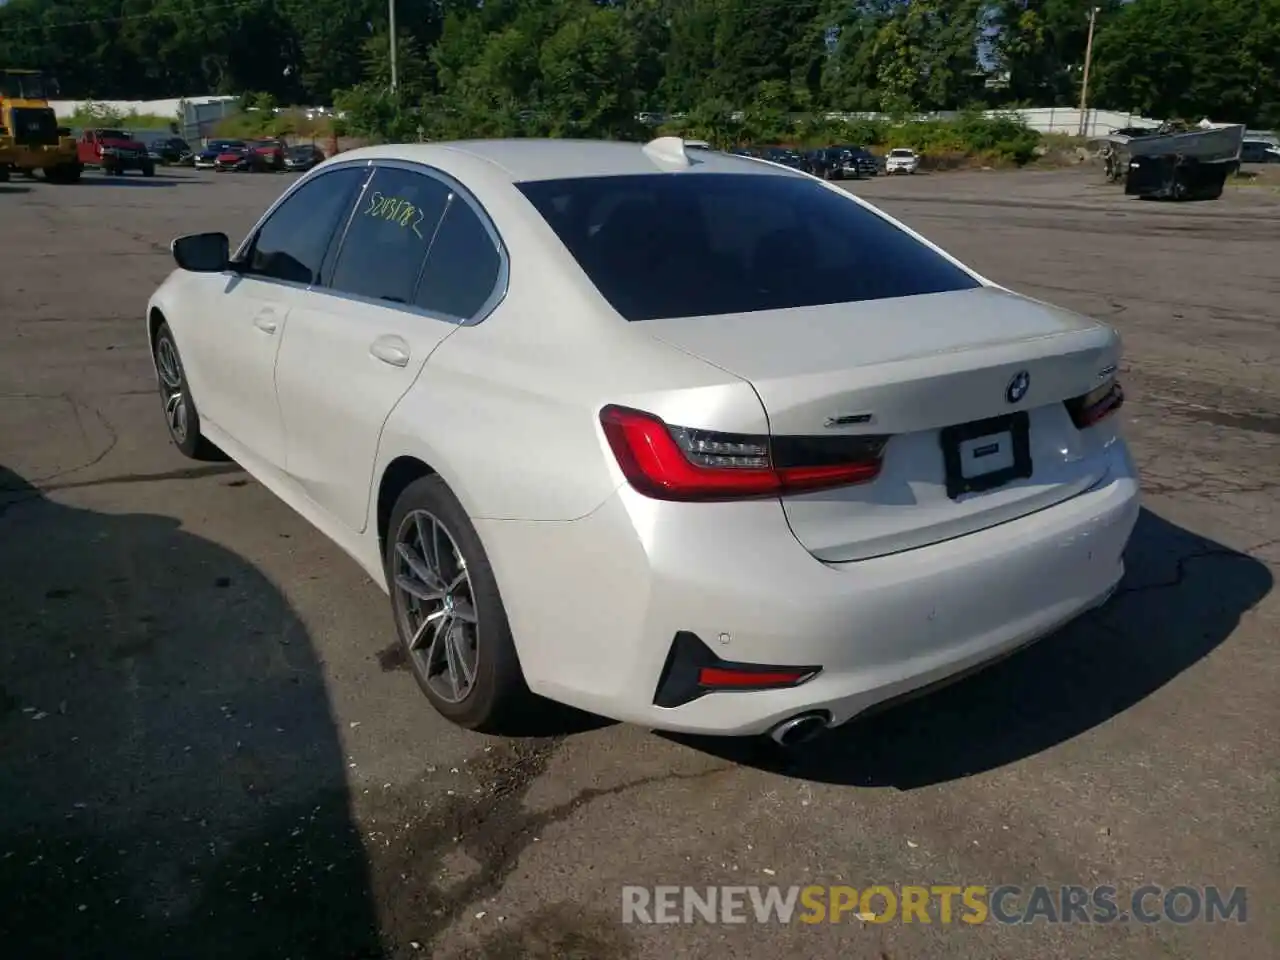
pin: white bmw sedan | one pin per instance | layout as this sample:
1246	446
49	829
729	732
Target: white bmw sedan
685	439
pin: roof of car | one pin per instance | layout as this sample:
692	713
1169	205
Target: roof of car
533	159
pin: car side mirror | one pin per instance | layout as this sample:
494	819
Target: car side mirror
202	252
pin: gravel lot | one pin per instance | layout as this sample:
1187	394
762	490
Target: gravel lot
209	748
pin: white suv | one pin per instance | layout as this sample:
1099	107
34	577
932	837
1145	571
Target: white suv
902	160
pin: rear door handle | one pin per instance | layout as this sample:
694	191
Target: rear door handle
266	322
390	349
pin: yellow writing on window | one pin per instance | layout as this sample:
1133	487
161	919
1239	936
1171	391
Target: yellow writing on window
395	210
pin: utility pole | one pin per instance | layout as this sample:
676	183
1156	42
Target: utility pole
1084	86
391	15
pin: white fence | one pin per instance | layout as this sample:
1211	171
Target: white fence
160	108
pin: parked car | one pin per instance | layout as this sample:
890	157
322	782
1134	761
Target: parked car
114	152
784	155
901	160
779	460
171	151
269	153
821	162
207	158
863	160
304	157
1259	151
243	158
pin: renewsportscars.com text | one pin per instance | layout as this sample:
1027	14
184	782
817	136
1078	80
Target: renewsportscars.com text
938	903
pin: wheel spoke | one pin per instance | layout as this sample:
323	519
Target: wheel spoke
460	655
430	619
419	568
442	651
464	610
419	590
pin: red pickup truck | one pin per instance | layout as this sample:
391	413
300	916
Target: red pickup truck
114	151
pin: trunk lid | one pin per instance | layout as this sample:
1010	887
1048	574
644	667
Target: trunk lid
910	368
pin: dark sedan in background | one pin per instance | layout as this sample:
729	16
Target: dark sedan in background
302	157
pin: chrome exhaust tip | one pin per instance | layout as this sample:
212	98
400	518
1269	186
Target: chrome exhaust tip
799	729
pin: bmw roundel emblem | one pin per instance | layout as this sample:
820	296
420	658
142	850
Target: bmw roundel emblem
1018	386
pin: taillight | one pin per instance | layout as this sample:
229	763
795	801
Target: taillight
681	463
1096	405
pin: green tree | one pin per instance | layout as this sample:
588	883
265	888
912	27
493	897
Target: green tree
1192	58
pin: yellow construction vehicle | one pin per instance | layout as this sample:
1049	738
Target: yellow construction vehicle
30	138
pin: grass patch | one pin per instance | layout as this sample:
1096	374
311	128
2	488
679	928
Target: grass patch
92	114
252	124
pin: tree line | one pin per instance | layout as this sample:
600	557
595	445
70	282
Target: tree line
587	67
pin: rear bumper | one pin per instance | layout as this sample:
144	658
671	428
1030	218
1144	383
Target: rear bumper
596	603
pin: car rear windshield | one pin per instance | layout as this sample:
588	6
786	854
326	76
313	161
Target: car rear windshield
684	245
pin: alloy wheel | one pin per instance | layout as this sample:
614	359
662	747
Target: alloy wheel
175	398
436	606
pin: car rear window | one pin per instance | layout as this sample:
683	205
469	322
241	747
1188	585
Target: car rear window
684	245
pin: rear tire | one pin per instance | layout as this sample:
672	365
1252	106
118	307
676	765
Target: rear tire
180	414
448	612
149	170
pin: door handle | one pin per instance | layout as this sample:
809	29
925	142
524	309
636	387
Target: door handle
266	322
390	349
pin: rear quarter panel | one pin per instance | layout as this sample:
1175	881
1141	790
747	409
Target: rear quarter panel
507	410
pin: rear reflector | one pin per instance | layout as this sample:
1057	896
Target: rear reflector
682	463
743	679
1096	405
693	670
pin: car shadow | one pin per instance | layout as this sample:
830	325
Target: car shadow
173	781
1181	597
125	180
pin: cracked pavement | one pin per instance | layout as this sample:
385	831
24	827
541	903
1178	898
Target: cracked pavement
209	746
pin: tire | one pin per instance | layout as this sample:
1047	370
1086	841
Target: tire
495	696
4	173
149	170
64	173
181	417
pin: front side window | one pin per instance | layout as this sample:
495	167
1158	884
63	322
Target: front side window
683	245
291	244
386	243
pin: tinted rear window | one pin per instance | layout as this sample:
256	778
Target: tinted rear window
683	245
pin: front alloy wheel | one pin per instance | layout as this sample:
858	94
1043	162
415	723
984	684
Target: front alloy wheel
180	415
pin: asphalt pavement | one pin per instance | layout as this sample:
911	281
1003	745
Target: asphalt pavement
209	746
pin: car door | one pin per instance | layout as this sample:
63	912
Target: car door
417	259
245	313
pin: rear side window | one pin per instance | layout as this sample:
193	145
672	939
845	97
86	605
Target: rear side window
386	243
291	244
681	245
462	267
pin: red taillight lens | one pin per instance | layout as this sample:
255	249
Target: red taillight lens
1096	405
679	463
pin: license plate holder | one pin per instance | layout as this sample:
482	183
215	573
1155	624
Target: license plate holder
1005	439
